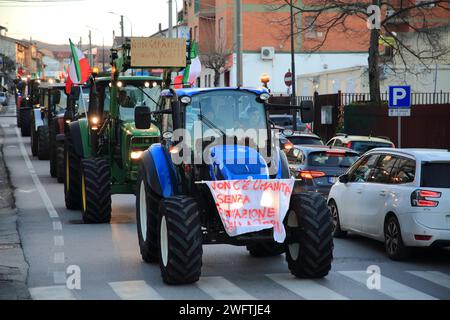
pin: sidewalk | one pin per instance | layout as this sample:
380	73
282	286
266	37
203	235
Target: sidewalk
13	268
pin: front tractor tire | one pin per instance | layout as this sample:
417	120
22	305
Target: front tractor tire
43	151
180	240
72	176
147	204
309	241
96	191
25	122
59	161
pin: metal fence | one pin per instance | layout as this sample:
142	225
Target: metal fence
418	98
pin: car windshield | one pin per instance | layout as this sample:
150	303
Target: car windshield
364	146
60	101
131	96
305	141
223	111
436	175
332	159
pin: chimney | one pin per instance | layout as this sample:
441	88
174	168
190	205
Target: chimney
160	27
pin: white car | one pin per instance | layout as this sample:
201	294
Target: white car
398	196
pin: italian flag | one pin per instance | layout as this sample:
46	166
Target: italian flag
192	71
79	69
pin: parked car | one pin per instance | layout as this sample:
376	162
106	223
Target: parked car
361	144
285	121
400	197
3	99
319	167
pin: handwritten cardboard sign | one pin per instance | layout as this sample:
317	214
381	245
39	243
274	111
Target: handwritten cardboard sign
252	205
158	53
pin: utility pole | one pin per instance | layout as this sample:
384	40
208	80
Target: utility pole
293	97
239	74
170	31
122	30
91	61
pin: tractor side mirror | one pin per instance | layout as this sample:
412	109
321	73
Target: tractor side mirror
142	117
307	111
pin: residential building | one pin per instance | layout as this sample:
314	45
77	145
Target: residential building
266	41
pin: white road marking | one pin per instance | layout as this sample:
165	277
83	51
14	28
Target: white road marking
389	287
5	125
308	289
58	241
135	290
52	293
57	226
220	288
45	198
436	277
59	258
59	277
26	191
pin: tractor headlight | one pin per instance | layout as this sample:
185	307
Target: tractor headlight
94	122
136	155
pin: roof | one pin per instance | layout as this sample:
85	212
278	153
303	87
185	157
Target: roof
193	91
305	135
313	148
346	138
420	154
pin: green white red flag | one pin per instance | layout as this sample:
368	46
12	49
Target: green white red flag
79	69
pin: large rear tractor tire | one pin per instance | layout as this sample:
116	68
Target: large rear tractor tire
265	249
72	176
25	122
180	240
96	190
59	162
147	220
43	141
34	140
52	149
309	241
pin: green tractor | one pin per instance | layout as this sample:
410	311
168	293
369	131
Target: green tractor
103	150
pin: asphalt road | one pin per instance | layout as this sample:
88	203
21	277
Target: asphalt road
56	241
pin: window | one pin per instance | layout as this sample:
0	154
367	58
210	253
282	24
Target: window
196	33
364	146
293	155
331	142
382	170
332	159
435	175
310	27
305	141
404	171
361	170
338	143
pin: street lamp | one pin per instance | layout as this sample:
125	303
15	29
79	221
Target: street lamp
103	45
121	24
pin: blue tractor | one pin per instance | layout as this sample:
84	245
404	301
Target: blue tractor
176	211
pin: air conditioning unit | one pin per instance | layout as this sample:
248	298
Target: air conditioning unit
267	53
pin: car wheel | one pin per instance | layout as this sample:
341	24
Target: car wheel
395	248
337	231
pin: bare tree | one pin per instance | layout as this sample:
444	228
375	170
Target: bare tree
394	20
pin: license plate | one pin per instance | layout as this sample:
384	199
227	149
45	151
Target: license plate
332	180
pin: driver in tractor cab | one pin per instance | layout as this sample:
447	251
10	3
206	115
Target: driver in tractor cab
124	100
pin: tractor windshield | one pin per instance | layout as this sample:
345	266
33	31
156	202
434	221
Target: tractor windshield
131	96
228	113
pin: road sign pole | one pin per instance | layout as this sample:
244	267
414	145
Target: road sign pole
399	132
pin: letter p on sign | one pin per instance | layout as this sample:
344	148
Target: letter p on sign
399	96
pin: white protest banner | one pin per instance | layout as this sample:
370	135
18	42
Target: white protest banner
252	205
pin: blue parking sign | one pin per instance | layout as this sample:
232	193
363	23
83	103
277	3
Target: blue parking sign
399	97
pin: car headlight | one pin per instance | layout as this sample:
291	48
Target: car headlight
136	155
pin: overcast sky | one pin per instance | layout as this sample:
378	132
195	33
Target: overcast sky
54	21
